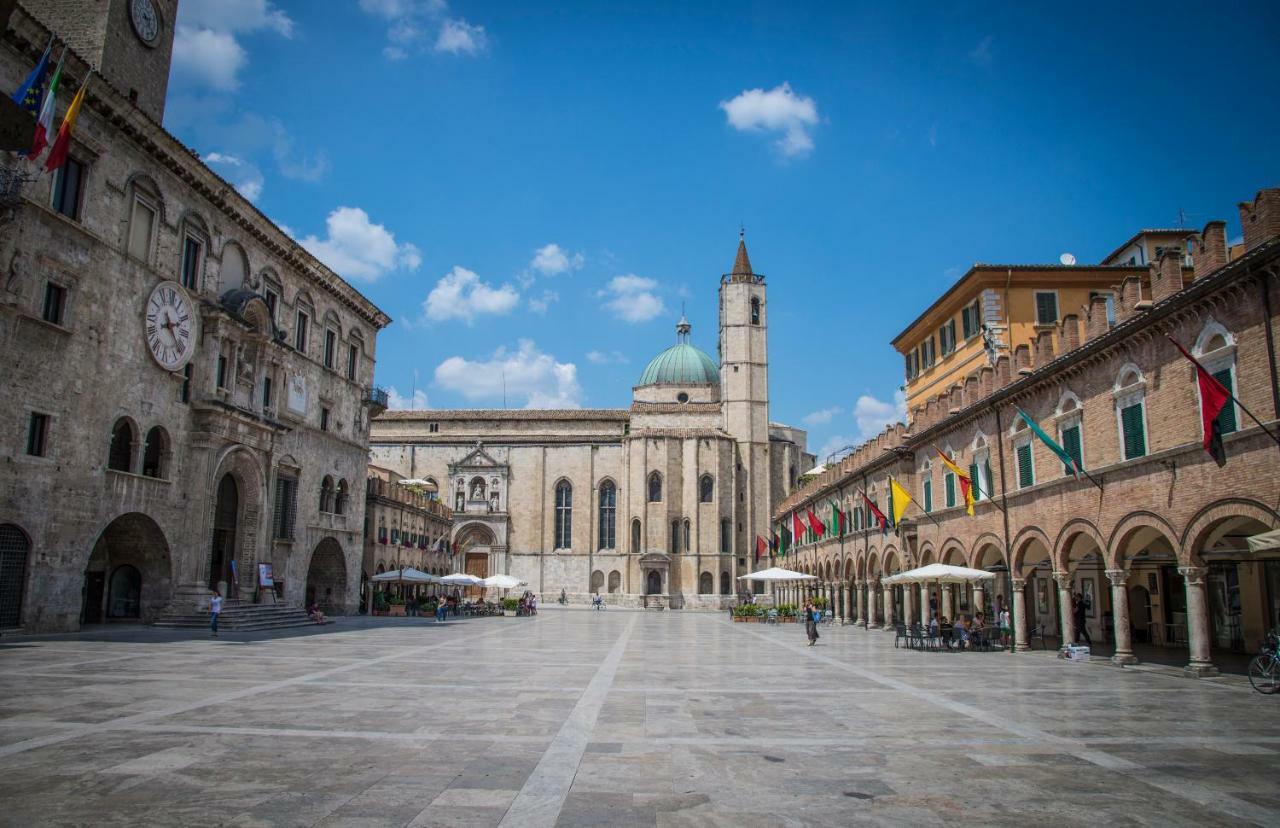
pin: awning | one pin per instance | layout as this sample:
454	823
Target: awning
1265	542
408	575
939	574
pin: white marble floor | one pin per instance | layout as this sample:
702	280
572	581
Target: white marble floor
619	718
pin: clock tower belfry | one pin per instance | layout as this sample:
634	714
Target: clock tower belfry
128	42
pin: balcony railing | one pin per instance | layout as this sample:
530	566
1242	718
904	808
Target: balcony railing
376	397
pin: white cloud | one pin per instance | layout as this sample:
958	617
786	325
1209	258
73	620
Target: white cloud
632	298
356	248
458	37
411	24
552	260
461	295
872	415
777	110
822	415
981	54
539	304
525	374
396	402
205	48
244	176
607	358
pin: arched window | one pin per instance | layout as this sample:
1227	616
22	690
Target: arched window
154	451
340	501
706	584
949	486
688	536
706	488
1069	415
326	494
726	584
926	485
655	488
597	581
1131	412
14	546
980	468
755	310
564	515
1216	350
635	535
608	514
144	213
615	581
1023	457
120	456
234	268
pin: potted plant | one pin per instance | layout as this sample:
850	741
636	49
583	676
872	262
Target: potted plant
380	606
509	605
396	605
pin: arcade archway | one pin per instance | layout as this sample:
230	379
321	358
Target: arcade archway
129	574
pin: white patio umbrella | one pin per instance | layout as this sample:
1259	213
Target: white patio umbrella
461	579
408	575
777	574
1264	541
939	574
504	582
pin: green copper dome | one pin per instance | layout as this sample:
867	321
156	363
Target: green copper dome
681	364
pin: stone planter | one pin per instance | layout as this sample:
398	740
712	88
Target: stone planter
397	609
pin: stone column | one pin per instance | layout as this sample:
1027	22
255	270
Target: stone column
1197	622
859	606
909	604
890	610
924	607
1019	613
1120	614
945	606
979	599
1068	631
840	593
873	603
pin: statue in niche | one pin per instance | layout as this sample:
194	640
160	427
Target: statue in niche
477	493
17	272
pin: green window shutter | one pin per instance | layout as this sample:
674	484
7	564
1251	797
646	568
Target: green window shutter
1026	474
987	478
1135	440
928	495
1226	417
1071	442
975	485
950	480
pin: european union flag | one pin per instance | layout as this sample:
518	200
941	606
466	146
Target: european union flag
32	90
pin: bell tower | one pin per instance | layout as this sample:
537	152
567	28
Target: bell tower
129	42
744	394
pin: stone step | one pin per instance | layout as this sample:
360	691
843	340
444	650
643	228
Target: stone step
239	617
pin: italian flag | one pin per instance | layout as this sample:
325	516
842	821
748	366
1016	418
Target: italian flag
58	155
44	121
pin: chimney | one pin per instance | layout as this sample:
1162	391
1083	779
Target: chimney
1069	334
1166	274
1130	292
1211	249
930	412
971	394
1022	359
1043	348
986	381
1096	318
955	399
1261	219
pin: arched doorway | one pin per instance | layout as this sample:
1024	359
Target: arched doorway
14	548
226	515
327	578
474	541
129	574
124	593
653	583
704	583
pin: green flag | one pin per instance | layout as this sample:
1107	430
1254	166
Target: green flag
1062	453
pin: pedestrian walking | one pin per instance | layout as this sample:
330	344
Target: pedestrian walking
215	609
1082	629
811	622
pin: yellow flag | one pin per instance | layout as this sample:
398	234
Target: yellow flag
966	485
900	500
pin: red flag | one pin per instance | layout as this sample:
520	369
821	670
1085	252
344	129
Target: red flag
816	525
761	547
797	526
1213	398
884	521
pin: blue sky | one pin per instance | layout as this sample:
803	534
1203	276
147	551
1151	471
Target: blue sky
533	190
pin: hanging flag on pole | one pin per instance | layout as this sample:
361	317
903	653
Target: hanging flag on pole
44	121
28	96
761	547
900	500
61	146
797	527
1063	454
966	483
875	510
816	525
1213	398
837	518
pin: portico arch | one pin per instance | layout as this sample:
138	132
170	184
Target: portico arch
474	541
237	487
327	578
129	575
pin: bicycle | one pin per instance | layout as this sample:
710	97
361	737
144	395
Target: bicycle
1264	668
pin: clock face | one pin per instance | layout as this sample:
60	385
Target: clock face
170	326
146	22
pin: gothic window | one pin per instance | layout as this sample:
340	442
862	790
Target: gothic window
926	485
597	581
635	535
706	487
340	499
564	515
234	268
1024	458
675	537
1216	350
1131	412
726	584
154	451
1070	430
608	514
142	226
980	468
688	536
120	456
326	494
755	310
655	488
615	581
726	539
705	584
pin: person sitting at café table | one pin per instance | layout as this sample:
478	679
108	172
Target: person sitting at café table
960	632
934	626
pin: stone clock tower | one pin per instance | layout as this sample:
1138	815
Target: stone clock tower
129	42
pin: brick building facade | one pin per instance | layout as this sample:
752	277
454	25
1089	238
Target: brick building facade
1157	548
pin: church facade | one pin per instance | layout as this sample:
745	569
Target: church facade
658	504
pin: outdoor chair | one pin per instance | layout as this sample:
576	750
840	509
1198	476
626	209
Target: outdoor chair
772	617
900	634
915	639
1034	633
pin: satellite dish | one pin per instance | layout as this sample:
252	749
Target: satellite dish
1067	259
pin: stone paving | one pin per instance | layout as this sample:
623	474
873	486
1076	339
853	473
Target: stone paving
618	718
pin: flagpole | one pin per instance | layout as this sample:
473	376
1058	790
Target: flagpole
974	483
926	514
1230	396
